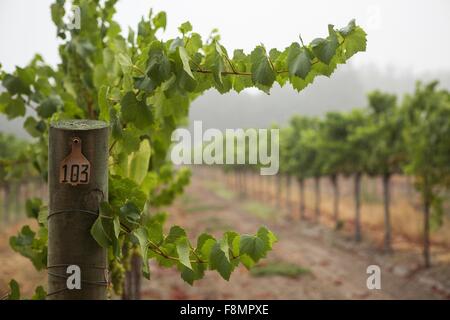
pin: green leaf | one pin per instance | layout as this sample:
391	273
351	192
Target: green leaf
185	60
15	85
142	236
233	240
149	183
57	13
185	27
205	243
299	63
103	103
124	61
131	35
14	290
348	28
267	237
130	215
99	234
202	239
246	261
262	72
139	162
354	42
42	217
49	106
252	246
219	261
130	140
136	111
299	83
32	207
145	84
194	44
160	20
111	225
116	223
26	75
31	246
214	61
15	108
183	250
190	275
325	49
122	190
174	44
39	294
33	127
155	231
158	66
175	234
115	124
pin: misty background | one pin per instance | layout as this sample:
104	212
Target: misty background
407	41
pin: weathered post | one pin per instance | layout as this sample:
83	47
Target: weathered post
78	182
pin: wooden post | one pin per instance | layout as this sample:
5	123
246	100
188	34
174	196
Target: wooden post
78	182
358	206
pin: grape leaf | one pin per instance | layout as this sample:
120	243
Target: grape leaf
183	250
252	246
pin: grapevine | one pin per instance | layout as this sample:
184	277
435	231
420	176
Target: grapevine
143	86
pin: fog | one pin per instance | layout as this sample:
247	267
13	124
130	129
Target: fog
407	41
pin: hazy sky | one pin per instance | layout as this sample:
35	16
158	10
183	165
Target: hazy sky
410	35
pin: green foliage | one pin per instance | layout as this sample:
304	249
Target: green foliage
386	125
279	269
33	207
427	144
143	87
39	294
14	290
31	245
380	140
14	157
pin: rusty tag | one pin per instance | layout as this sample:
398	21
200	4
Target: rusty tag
75	168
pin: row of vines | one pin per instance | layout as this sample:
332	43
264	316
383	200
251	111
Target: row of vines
388	138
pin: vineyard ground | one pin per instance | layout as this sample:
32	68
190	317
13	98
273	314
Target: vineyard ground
334	266
337	266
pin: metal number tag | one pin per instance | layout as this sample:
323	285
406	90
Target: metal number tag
75	168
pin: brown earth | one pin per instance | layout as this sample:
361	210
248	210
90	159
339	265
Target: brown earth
337	265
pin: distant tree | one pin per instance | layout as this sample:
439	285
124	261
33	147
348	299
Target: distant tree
292	154
14	166
427	141
333	141
311	158
357	153
387	152
287	167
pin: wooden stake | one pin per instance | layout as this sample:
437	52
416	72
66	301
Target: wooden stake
73	207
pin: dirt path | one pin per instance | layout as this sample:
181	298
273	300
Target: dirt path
338	266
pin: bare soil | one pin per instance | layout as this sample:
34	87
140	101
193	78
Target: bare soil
337	264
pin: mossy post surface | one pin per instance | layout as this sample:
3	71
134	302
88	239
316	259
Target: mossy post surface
73	210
